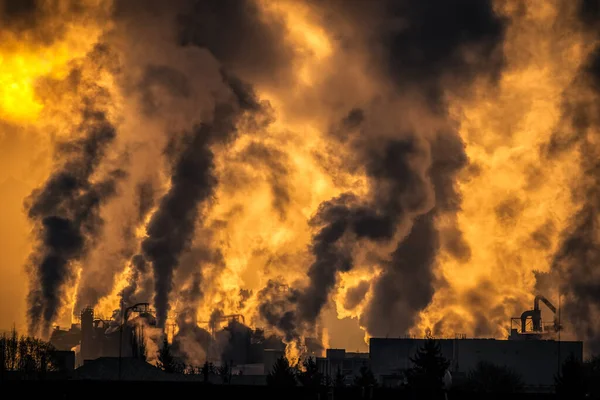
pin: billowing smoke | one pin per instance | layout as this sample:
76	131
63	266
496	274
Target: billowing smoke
65	211
411	173
172	226
97	283
574	271
403	192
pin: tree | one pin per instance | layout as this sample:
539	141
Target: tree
365	377
282	374
310	376
592	377
426	376
207	369
166	360
571	382
27	355
224	372
490	378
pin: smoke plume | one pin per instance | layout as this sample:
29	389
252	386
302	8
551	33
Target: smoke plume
573	274
171	227
411	173
66	209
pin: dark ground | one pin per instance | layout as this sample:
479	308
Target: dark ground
84	390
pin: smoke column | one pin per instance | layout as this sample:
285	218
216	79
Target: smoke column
172	225
65	210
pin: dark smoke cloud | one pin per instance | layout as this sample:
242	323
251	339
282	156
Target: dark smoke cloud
436	38
573	268
66	213
422	43
20	15
236	33
145	193
276	307
400	191
36	20
406	285
96	283
172	226
428	47
356	295
194	270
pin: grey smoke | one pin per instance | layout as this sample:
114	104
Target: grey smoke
65	211
426	54
96	283
355	295
172	226
573	270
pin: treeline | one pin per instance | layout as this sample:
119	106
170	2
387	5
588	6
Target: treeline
579	379
25	354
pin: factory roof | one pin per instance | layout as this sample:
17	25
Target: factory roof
107	368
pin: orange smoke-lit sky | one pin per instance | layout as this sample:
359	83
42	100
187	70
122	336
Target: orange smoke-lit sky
400	168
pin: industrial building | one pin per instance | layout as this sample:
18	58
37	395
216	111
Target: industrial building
95	337
536	361
348	364
533	350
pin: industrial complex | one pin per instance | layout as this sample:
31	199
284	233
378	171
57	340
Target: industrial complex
533	348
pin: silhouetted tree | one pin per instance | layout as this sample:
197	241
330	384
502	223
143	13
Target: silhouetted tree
425	378
207	370
592	377
490	378
365	377
225	373
310	376
571	382
26	354
167	362
282	375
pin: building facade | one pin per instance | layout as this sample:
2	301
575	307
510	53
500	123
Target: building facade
537	361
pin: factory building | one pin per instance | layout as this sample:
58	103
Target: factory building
348	364
536	361
533	350
95	337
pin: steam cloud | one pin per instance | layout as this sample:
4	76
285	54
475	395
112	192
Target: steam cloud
411	176
172	225
66	209
574	270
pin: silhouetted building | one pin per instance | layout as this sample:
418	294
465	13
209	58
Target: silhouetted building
537	361
63	339
64	361
347	363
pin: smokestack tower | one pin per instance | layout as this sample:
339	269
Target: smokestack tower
87	334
